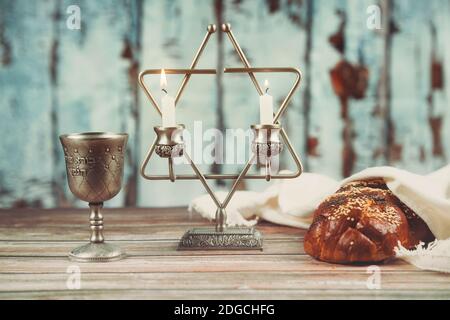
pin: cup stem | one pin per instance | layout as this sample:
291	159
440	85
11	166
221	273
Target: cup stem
96	220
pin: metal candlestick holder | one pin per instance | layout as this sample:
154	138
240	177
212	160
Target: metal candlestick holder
267	143
170	145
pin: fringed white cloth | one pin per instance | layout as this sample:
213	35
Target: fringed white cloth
292	202
287	202
434	257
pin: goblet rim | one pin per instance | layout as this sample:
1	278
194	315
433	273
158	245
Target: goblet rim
93	135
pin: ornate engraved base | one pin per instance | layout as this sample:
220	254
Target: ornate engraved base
168	151
267	149
96	252
232	238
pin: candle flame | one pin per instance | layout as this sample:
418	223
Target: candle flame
163	80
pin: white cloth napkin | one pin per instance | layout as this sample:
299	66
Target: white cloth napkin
291	202
434	257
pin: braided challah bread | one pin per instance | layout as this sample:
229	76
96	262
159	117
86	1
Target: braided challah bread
362	223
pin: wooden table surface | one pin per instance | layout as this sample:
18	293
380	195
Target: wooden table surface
34	264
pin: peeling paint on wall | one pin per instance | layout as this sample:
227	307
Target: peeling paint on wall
384	102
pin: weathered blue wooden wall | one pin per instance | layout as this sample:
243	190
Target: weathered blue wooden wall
55	80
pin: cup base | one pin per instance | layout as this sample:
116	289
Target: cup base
97	252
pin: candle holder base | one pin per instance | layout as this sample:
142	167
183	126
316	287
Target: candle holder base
232	238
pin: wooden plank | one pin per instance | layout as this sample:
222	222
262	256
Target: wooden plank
81	218
25	100
128	232
124	216
63	216
226	281
418	109
243	294
38	269
172	32
131	113
139	248
444	35
94	86
410	82
438	100
270	35
120	224
210	263
365	47
324	114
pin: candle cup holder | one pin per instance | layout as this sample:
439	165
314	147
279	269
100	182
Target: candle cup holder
266	144
169	144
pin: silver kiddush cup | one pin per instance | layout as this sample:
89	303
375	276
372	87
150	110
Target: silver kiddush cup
94	163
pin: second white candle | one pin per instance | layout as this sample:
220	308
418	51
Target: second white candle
168	104
266	106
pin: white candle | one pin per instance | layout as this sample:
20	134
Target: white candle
266	106
168	104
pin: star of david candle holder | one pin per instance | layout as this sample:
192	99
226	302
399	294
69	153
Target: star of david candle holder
268	142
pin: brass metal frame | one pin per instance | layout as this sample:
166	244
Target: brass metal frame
221	237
